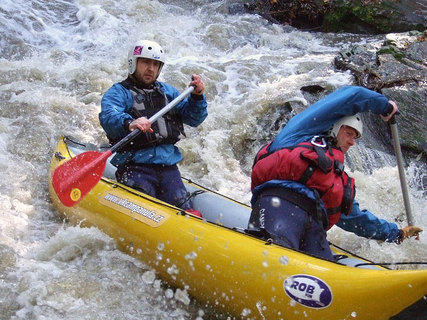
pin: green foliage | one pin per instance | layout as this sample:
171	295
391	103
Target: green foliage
389	49
369	16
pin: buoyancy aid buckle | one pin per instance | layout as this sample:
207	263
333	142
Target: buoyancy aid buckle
338	167
140	98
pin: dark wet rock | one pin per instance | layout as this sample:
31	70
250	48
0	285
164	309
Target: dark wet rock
299	14
375	16
398	69
313	89
354	16
239	8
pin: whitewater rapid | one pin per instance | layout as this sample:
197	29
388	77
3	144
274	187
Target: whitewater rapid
57	58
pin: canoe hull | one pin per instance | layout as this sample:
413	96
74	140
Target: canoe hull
233	271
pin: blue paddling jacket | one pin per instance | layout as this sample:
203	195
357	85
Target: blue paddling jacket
116	105
317	120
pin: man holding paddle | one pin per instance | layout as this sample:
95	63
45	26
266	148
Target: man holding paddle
149	161
300	189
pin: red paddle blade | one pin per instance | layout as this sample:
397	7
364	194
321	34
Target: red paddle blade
75	178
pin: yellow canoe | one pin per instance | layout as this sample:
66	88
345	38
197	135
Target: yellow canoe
222	266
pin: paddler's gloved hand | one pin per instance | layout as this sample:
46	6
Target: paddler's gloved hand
407	232
390	112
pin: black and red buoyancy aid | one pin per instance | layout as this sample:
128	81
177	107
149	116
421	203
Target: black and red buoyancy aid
147	102
316	165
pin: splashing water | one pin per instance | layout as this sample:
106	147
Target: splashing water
58	57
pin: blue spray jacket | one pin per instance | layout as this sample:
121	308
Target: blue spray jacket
317	120
115	107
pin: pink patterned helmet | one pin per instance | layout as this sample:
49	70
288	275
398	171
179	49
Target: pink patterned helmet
145	49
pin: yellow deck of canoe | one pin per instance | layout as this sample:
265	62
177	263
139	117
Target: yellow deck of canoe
222	266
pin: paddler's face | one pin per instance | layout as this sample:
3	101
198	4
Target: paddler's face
146	71
346	138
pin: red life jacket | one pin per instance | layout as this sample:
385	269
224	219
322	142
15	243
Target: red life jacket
318	166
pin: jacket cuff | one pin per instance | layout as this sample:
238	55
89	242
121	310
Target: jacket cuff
389	110
399	237
127	123
197	96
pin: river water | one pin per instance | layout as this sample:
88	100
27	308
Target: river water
58	57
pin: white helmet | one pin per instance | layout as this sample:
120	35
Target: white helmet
145	49
354	122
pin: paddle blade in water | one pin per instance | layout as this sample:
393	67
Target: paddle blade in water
78	176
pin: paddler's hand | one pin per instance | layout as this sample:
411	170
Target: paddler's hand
409	231
199	86
392	110
142	124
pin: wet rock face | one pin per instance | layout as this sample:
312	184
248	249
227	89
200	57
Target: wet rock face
375	16
399	60
355	16
299	14
398	69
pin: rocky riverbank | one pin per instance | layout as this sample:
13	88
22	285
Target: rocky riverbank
397	67
354	16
